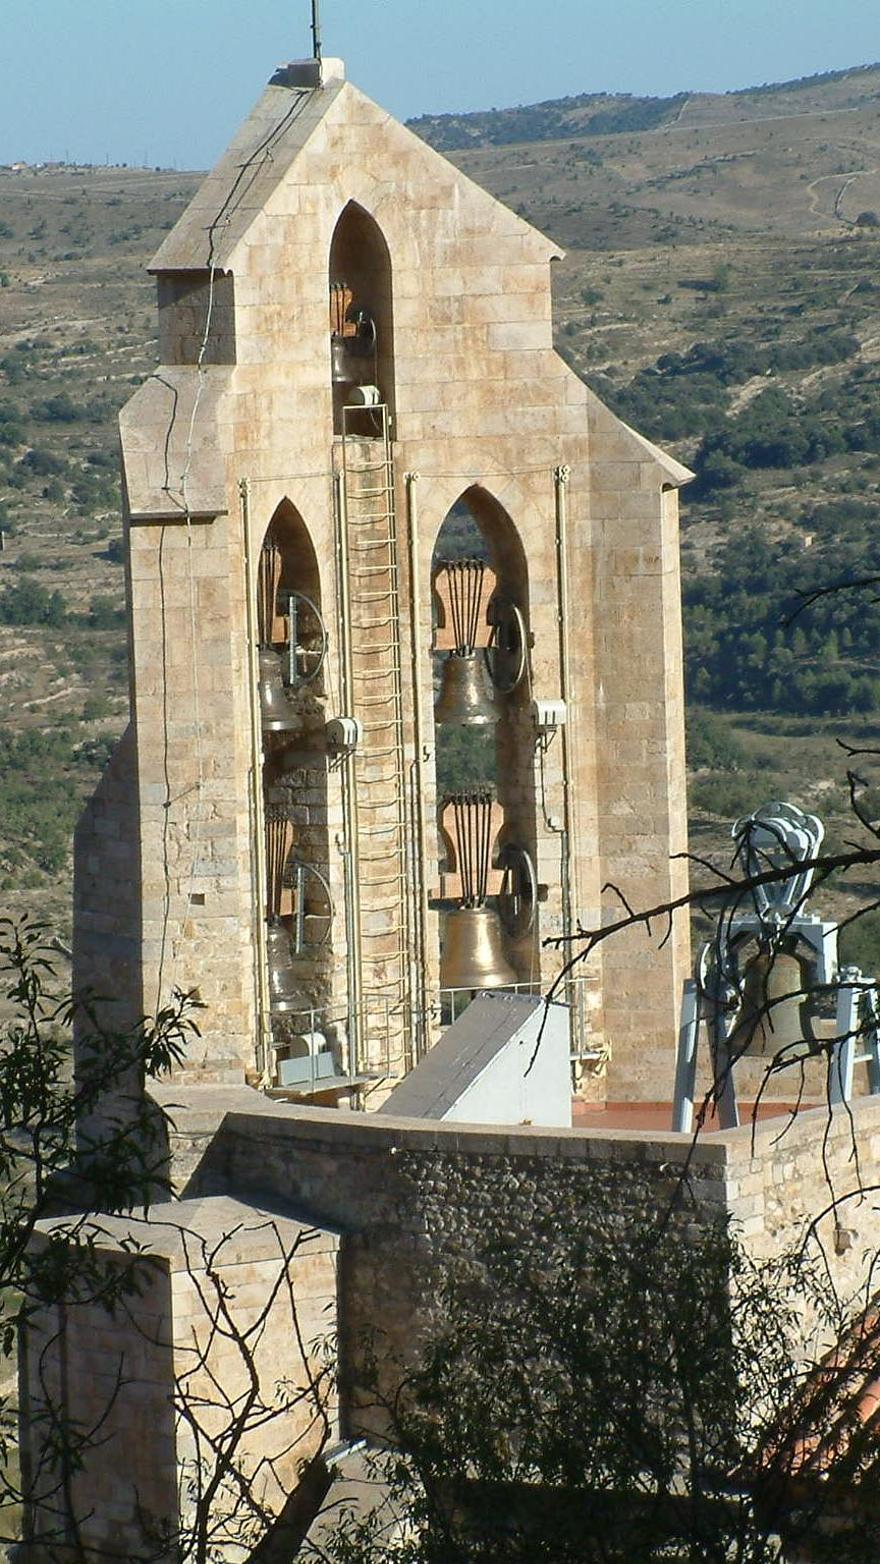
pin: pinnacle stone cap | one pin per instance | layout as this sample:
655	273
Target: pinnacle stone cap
308	73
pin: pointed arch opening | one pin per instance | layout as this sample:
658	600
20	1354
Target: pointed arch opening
361	314
478	529
484	743
299	904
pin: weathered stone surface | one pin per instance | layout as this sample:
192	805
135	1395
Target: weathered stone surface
482	408
415	1199
208	1356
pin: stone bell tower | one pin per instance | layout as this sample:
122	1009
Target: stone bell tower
406	672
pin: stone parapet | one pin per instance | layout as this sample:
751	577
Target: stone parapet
415	1199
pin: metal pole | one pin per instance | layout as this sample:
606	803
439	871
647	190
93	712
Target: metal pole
561	476
316	30
261	975
720	1025
420	888
686	1059
843	1056
354	959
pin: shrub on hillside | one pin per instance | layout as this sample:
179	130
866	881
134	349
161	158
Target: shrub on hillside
27	603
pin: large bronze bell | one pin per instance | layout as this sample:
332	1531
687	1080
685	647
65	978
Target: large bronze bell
285	993
276	713
473	951
465	694
776	1010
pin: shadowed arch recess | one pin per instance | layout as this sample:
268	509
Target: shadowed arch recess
360	277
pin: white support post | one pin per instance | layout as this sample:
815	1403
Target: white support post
686	1059
843	1054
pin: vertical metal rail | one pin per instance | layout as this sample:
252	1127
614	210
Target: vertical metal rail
354	962
561	476
420	855
258	826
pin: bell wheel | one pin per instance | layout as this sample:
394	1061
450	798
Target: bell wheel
308	640
506	652
518	896
312	916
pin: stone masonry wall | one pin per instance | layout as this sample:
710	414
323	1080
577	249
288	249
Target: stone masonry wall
482	406
223	1299
414	1201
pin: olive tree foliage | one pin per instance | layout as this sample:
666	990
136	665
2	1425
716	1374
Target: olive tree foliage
47	1161
649	1391
48	1167
640	1392
77	1147
631	1398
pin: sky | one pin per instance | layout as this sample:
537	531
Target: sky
165	82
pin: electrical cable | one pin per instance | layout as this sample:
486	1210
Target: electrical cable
474	480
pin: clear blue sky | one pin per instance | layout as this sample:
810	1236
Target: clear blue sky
166	81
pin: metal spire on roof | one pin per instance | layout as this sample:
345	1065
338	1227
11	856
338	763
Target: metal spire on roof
316	29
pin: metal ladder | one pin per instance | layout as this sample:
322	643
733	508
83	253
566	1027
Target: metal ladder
380	808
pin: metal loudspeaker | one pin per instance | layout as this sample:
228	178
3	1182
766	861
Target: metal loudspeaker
465	697
473	951
775	1014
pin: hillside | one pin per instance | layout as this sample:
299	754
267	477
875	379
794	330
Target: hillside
77	333
720	290
603	114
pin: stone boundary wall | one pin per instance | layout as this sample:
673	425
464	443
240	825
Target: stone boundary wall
417	1202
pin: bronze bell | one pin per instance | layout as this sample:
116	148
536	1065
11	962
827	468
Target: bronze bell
473	951
776	1011
344	370
465	694
276	712
284	990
